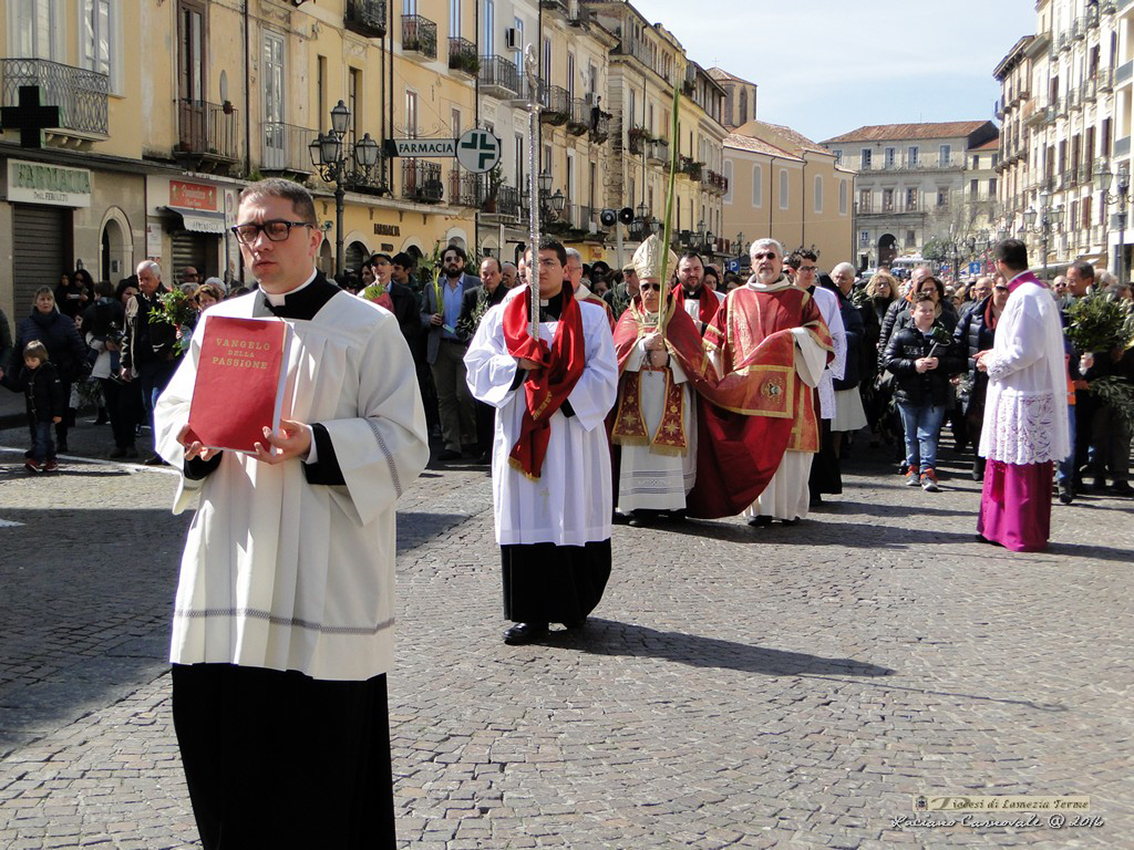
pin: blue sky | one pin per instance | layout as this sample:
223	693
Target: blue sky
825	67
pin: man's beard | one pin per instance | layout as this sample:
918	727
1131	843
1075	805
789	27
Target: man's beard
692	291
453	273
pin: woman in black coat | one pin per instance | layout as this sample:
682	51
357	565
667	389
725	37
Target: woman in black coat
65	347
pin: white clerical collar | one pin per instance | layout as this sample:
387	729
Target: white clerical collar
781	283
277	300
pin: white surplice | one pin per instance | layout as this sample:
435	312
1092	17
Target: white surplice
571	503
828	303
286	575
1025	411
649	479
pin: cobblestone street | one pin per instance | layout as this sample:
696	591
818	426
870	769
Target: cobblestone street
787	686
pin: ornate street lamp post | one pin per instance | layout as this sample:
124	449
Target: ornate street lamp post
1103	179
1048	217
329	156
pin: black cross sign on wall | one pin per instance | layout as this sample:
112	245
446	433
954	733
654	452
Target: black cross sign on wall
30	118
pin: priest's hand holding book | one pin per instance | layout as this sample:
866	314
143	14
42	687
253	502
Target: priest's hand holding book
292	440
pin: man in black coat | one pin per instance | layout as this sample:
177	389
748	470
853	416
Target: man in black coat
477	301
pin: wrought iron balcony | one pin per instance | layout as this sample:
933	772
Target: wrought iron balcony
556	104
285	148
498	77
657	152
207	132
559	6
600	127
714	182
81	95
421	181
505	203
419	35
465	188
1105	77
462	57
579	122
366	17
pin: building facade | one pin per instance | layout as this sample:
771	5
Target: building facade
1062	103
783	185
911	186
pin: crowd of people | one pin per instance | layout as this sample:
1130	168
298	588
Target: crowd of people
904	365
649	394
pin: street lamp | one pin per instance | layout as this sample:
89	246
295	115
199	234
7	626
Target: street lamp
329	156
1103	179
550	205
1043	221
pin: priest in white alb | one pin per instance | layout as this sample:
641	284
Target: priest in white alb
1026	428
283	624
551	475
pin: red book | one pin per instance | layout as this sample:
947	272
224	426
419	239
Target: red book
240	382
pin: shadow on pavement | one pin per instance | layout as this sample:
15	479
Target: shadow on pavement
607	637
821	532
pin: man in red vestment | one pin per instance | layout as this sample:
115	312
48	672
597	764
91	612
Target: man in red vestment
769	345
701	303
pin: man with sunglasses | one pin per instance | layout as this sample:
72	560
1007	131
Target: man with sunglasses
283	621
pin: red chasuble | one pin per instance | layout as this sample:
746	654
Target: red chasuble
707	299
561	366
682	342
760	406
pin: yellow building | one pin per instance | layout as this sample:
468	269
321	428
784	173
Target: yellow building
785	186
645	65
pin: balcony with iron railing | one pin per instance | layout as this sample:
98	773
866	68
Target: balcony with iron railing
81	95
504	202
421	181
579	122
208	134
465	188
1105	77
462	57
600	127
560	6
556	104
419	35
284	148
657	152
712	181
498	77
366	17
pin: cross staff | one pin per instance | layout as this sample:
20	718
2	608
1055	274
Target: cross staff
667	232
30	117
531	70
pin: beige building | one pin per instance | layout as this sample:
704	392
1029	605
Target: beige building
911	186
740	98
1065	114
783	185
645	65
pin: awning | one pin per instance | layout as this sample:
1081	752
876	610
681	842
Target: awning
199	221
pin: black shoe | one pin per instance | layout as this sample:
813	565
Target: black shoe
639	520
1066	494
618	519
1122	488
790	521
102	419
522	633
449	454
760	521
156	460
485	459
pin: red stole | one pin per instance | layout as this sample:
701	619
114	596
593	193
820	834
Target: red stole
545	390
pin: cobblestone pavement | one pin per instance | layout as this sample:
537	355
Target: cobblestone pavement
790	687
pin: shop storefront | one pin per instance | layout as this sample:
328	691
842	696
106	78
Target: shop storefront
189	227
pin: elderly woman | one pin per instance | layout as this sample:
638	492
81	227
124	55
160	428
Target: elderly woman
64	346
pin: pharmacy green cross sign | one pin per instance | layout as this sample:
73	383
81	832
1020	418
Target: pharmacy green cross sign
30	118
478	151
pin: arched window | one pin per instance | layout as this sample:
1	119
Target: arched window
757	186
843	197
818	193
785	202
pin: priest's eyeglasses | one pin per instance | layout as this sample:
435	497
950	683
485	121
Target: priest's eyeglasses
277	230
656	287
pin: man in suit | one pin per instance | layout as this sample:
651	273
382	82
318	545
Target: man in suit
445	352
478	301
